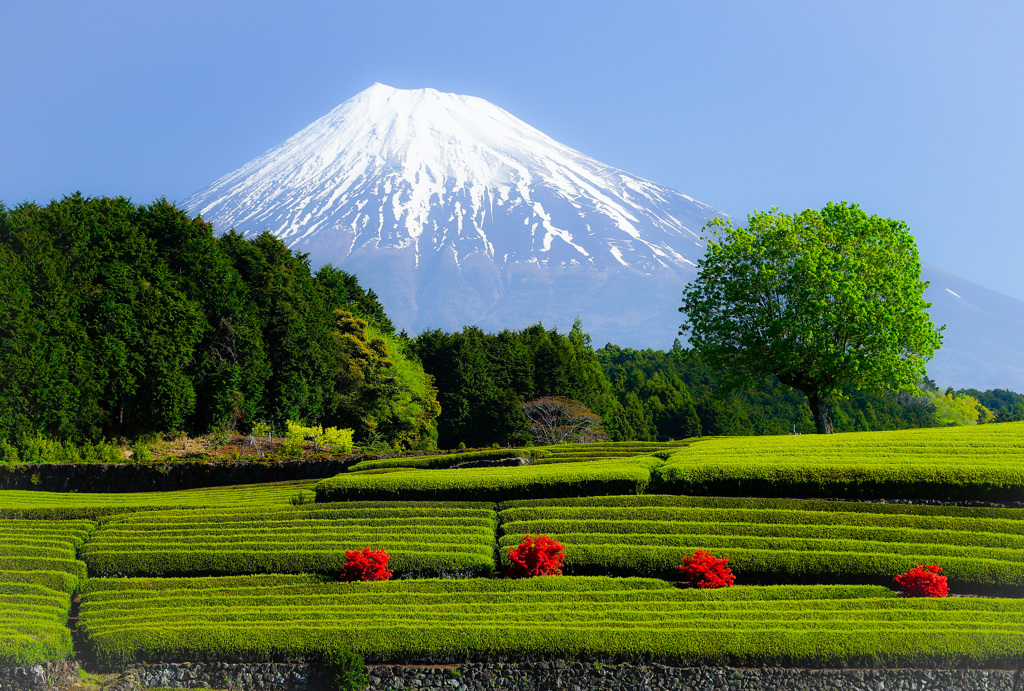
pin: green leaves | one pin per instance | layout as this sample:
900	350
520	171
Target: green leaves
123	320
820	300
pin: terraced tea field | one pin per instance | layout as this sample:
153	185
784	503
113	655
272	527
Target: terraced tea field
423	539
30	504
773	541
609	476
984	462
38	574
591	618
248	572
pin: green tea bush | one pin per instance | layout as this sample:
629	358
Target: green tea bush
775	540
443	621
423	539
346	671
618	476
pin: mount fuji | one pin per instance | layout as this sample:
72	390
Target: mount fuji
457	213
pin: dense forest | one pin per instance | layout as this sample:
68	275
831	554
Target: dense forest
124	321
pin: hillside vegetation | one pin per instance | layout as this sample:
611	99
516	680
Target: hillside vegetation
250	573
126	324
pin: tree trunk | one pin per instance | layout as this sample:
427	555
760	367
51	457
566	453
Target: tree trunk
819	409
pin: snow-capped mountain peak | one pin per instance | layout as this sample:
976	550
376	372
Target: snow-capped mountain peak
438	172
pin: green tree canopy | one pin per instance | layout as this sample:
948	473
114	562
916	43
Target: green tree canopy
122	320
820	299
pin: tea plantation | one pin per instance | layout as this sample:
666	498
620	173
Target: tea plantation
249	573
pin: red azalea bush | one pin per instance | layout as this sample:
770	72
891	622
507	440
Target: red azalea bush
366	565
924	581
541	557
703	570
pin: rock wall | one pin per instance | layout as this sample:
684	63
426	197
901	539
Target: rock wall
46	677
163	476
571	676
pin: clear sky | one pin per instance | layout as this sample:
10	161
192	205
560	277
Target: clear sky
914	110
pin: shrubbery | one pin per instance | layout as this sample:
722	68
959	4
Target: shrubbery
924	581
366	565
704	570
347	672
541	557
339	440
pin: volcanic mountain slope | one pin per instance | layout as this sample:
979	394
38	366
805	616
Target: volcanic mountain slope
456	213
983	344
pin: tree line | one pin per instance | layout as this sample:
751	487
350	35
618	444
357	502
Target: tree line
125	320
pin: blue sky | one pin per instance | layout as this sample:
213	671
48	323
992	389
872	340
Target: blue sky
914	110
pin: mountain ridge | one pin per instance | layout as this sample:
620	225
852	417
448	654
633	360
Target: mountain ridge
457	213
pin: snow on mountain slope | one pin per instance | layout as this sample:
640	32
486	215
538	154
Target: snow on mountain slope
456	213
983	344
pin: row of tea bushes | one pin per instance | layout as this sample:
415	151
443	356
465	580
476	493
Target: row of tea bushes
776	540
984	462
610	476
38	550
964	464
558	453
33	624
569	453
38	574
422	538
136	620
28	504
445	460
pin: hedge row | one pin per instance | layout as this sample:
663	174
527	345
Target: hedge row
764	517
422	539
47	547
33	621
558	453
952	482
771	503
669	532
624	476
576	618
446	460
976	463
30	504
649	536
949	465
60	581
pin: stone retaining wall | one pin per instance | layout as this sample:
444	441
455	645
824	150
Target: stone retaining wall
47	677
163	477
577	676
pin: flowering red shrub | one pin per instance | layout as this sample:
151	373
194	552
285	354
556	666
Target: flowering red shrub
924	581
541	557
366	565
703	570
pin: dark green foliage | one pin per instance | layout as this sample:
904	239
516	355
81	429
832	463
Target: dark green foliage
483	380
680	396
380	391
121	321
346	671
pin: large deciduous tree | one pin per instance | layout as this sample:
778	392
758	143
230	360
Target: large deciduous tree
819	299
